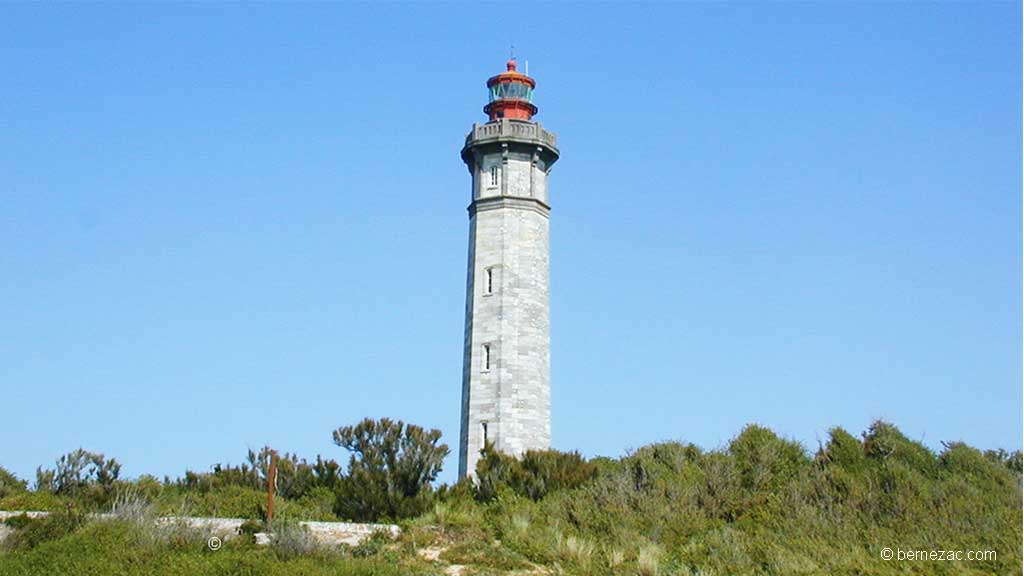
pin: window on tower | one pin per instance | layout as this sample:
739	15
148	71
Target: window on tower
488	281
487	357
494	175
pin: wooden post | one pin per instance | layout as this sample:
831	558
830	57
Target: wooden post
271	481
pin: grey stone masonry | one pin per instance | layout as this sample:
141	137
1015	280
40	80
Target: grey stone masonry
506	371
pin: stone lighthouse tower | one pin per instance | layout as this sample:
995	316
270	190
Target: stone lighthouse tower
506	371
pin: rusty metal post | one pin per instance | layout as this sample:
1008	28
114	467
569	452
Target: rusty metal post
271	481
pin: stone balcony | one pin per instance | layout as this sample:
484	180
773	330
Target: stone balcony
506	129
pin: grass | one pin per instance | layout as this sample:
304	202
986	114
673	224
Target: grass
762	505
115	548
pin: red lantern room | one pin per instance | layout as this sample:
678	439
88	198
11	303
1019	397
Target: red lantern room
511	95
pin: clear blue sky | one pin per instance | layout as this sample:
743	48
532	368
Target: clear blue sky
230	225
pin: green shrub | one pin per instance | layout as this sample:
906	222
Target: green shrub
88	477
11	484
1012	461
390	469
371	546
484	554
32	532
547	471
133	507
225	502
291	539
764	461
720	496
33	500
759	505
536	474
250	528
295	477
102	548
463	490
18	522
959	458
317	504
883	442
843	450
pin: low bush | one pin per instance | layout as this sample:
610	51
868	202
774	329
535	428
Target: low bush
371	546
34	500
484	554
31	532
390	470
77	471
535	475
18	522
764	461
291	539
759	505
250	528
11	484
114	548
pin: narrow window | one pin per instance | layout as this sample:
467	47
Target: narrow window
489	281
483	426
487	357
494	175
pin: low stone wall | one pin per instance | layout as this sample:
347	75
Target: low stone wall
347	532
31	514
324	532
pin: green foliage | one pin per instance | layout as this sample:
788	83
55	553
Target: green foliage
494	470
225	502
304	491
31	532
843	450
650	465
462	491
372	546
317	504
961	459
144	486
18	522
484	554
295	477
11	484
1013	461
87	476
390	469
291	539
250	528
885	443
116	548
536	474
33	500
762	506
758	506
764	461
238	502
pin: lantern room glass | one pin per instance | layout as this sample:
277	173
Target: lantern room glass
511	90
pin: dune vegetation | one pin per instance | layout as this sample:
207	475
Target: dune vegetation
759	505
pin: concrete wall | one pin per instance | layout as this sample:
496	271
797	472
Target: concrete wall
226	528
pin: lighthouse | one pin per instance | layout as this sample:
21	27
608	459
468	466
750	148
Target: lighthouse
506	370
